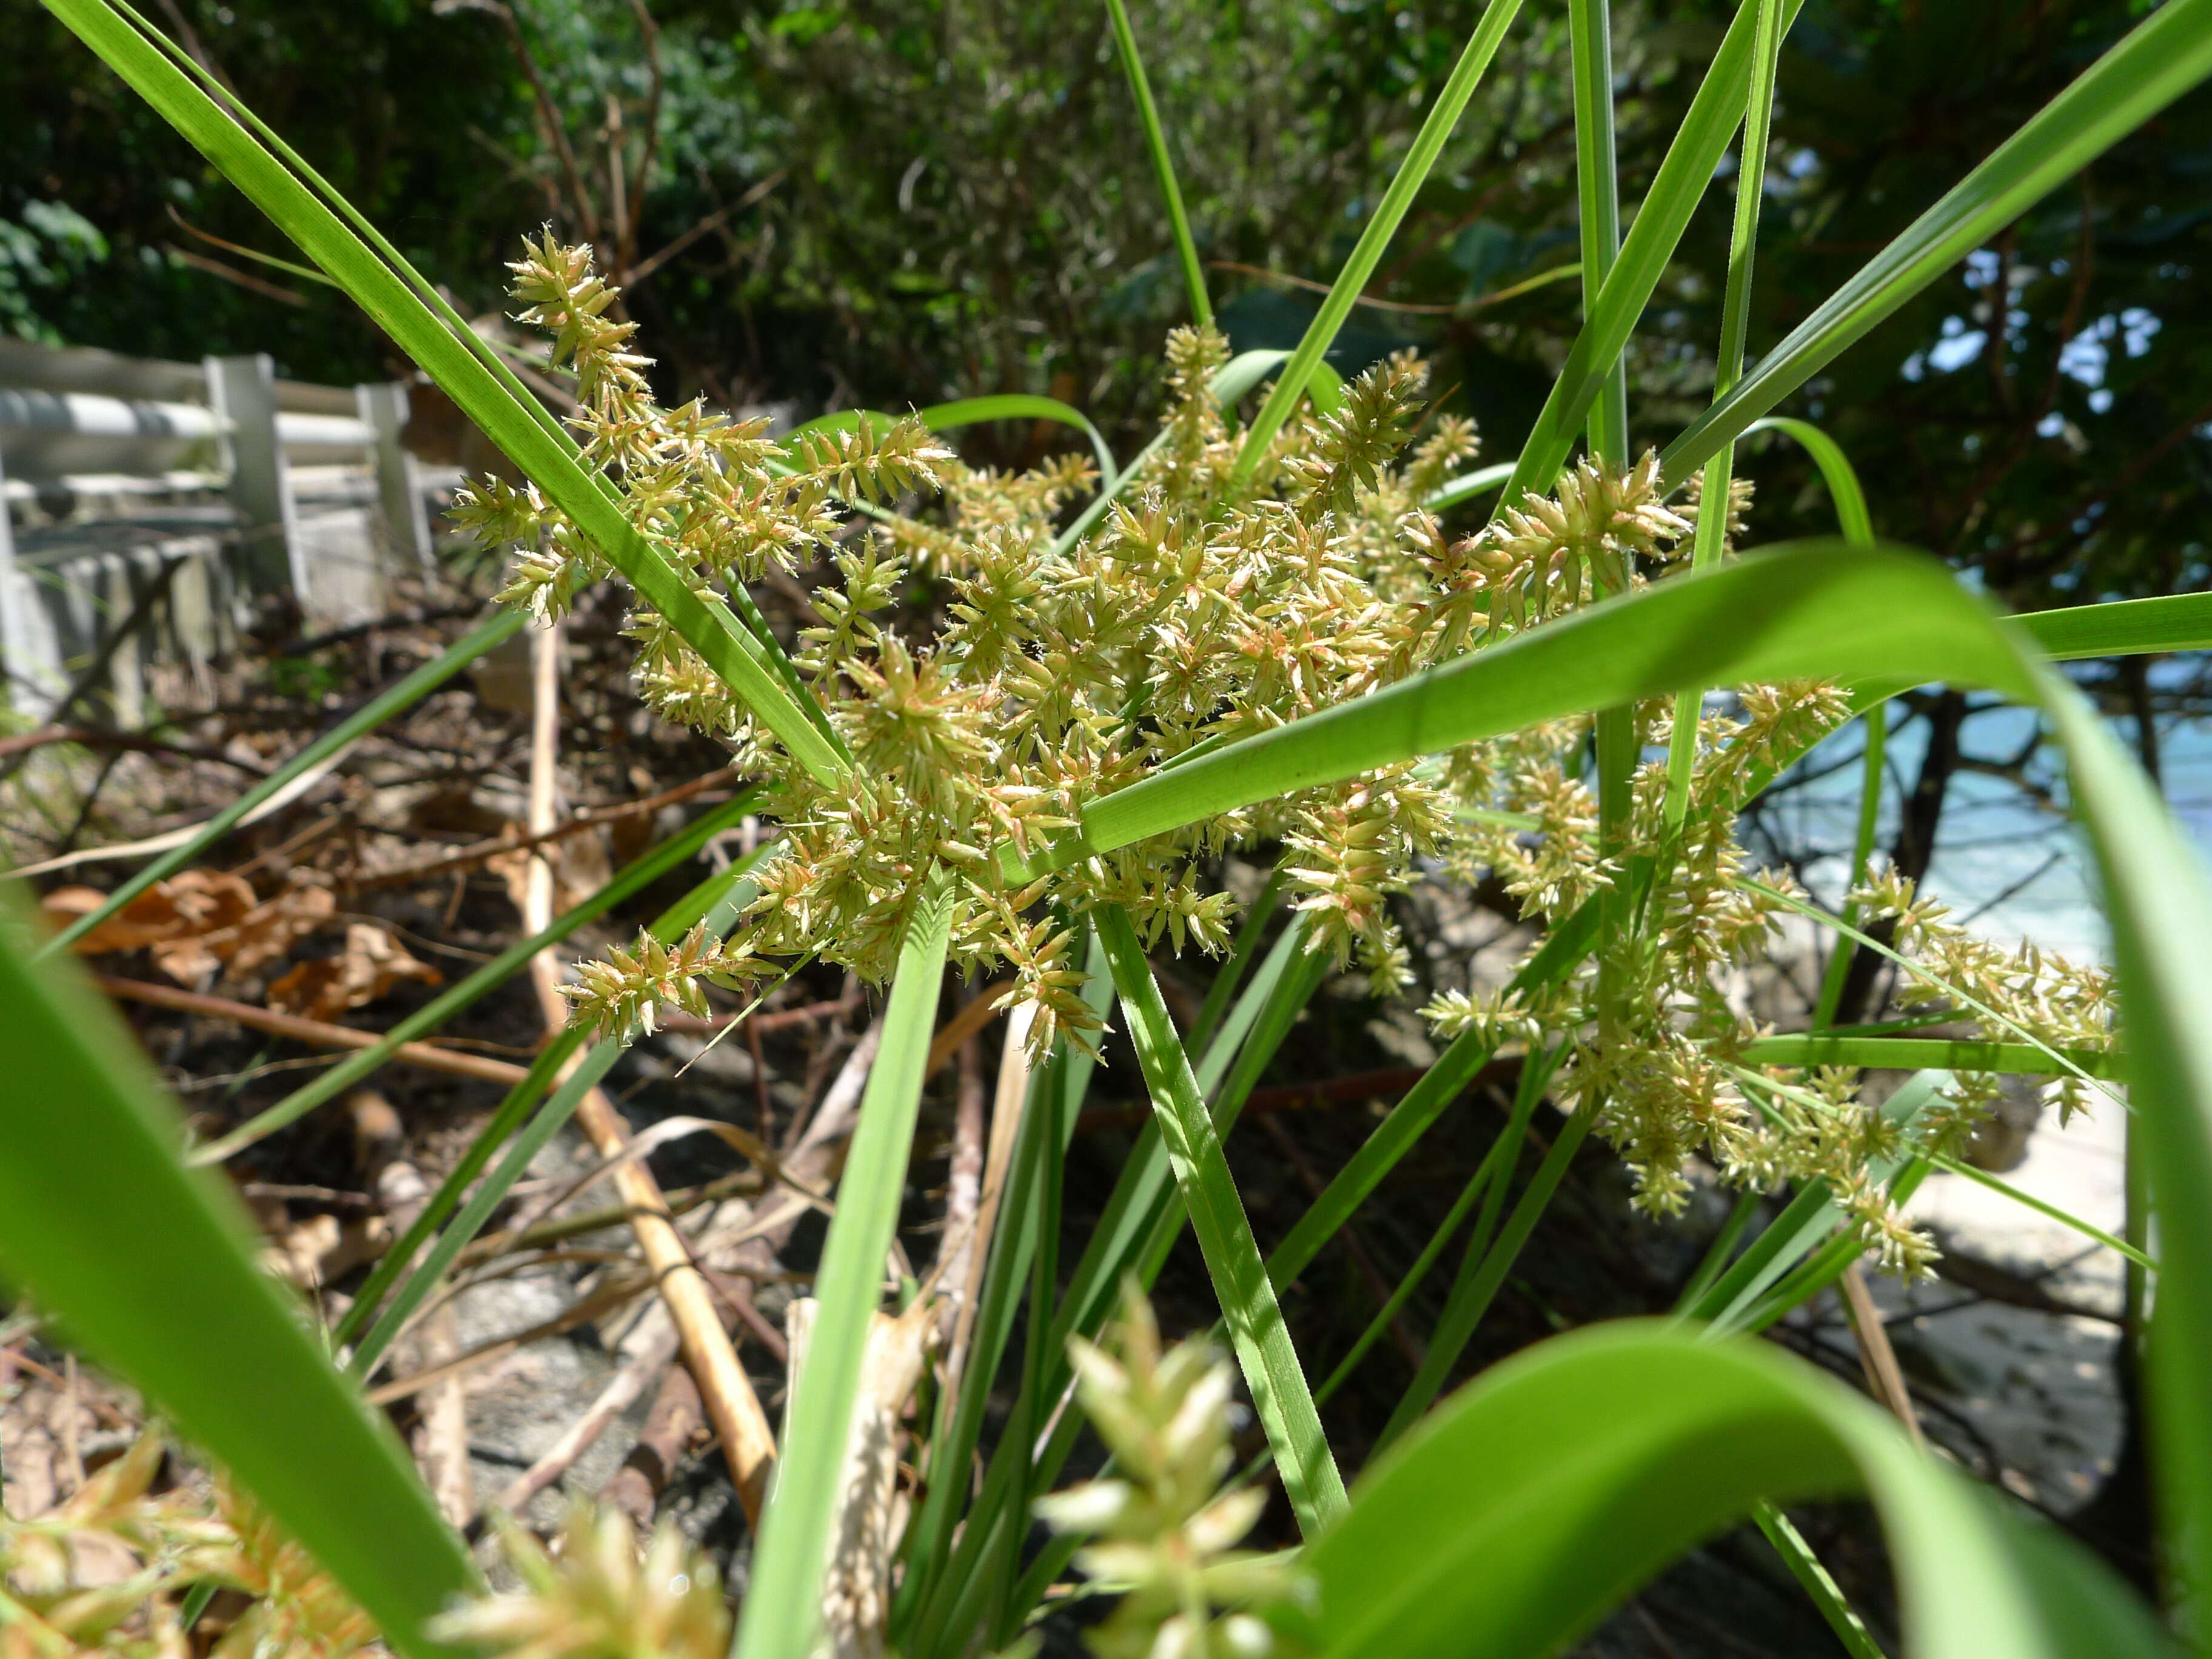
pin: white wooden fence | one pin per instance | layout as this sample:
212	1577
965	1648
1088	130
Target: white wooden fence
156	500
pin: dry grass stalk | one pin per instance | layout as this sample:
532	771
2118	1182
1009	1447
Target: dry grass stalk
732	1406
1884	1376
871	1513
1008	1097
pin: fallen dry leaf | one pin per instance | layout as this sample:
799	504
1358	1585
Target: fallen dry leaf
250	942
370	963
185	906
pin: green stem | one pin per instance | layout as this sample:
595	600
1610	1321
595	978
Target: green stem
1481	1276
1597	180
1870	780
1345	292
1805	1566
1727	368
1140	88
1280	1396
782	1612
1723	1245
1489	1183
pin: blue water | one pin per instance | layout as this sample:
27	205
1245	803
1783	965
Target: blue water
2006	855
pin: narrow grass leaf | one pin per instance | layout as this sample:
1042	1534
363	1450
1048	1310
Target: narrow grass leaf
2125	628
1597	189
1444	1082
1467	486
2042	1206
1855	523
394	700
2160	58
1270	1364
1914	1053
639	874
783	1609
1485	1264
1816	1581
1156	141
1688	167
727	893
704	621
974	411
1367	253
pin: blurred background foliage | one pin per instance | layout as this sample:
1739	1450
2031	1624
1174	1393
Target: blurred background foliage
891	202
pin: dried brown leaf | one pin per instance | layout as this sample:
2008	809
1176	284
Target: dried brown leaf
370	963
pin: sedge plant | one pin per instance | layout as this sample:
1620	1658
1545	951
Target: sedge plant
1028	715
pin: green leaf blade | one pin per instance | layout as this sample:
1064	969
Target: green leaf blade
1278	1384
782	1612
2162	57
1572	1472
151	1268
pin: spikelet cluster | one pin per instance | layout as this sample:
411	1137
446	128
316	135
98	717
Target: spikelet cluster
106	1574
627	990
1163	1530
990	677
2063	1004
1197	610
599	1596
1653	1032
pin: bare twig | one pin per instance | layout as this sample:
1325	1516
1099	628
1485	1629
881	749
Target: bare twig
493	846
971	1019
675	1420
707	226
177	837
646	1350
232	275
649	35
604	1300
320	1033
87	737
549	108
1884	1376
682	1025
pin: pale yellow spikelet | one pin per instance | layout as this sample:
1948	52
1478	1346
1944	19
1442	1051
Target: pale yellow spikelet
1164	1530
628	988
599	1596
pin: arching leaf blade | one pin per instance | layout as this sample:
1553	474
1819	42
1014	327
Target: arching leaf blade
1281	1394
1853	521
1815	610
2125	628
150	1268
1544	1493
